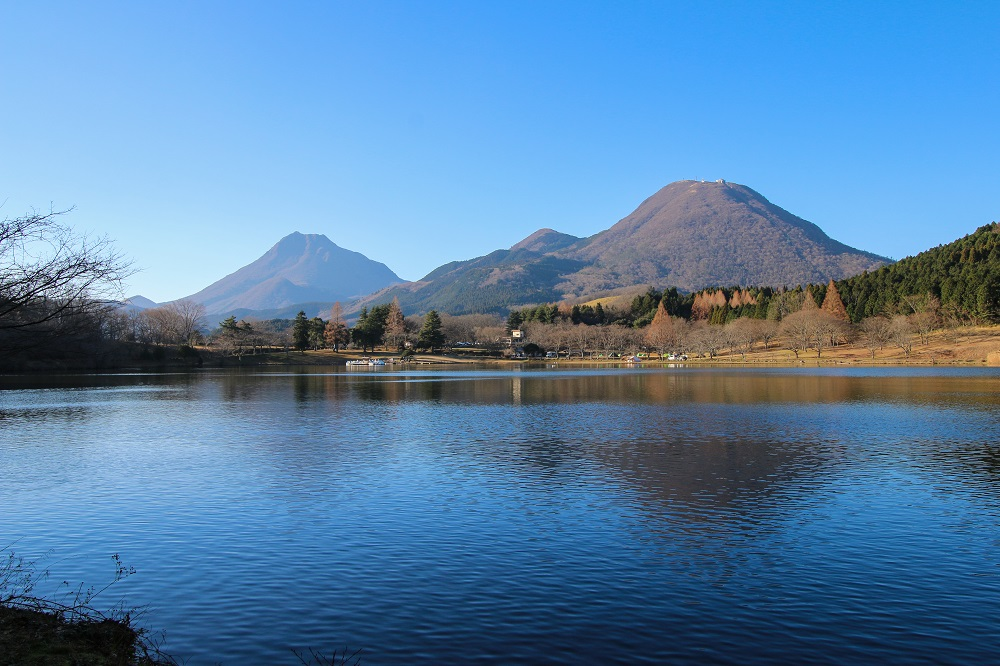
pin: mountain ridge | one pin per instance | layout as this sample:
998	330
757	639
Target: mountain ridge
689	234
299	268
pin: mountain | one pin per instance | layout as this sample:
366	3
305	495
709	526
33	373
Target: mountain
689	235
138	303
692	235
299	269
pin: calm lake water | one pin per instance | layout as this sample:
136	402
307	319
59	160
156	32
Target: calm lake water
526	516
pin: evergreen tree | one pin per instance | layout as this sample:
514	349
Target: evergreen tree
362	331
300	331
316	328
431	335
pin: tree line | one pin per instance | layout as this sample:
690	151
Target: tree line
382	326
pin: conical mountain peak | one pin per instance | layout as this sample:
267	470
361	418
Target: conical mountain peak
690	235
299	268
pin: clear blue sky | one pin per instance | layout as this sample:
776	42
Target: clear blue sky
197	134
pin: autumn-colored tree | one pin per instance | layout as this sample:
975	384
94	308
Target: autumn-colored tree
808	301
742	297
335	333
661	334
833	304
706	301
395	326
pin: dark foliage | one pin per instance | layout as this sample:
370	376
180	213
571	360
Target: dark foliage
964	275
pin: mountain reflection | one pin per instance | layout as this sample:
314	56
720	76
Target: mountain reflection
636	387
700	446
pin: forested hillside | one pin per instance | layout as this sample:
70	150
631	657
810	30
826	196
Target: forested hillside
689	235
963	275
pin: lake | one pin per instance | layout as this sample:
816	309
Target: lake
612	515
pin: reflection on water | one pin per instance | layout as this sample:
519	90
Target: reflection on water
585	516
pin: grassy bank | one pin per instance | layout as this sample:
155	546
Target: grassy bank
67	630
963	347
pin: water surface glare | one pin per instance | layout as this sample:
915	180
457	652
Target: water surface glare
550	516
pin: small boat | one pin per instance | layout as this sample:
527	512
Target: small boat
365	362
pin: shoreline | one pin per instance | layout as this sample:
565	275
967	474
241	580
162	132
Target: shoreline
972	347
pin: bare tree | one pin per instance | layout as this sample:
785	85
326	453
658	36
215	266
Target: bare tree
190	319
901	333
335	333
52	276
706	339
561	335
491	337
582	335
827	329
874	332
924	317
767	330
798	329
742	334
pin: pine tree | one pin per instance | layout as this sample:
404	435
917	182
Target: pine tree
431	335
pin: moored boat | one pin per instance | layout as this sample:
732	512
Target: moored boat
365	362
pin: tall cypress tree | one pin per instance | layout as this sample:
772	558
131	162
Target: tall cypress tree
300	331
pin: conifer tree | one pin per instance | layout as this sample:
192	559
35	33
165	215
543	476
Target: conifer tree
395	326
335	333
661	334
300	331
833	304
431	335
